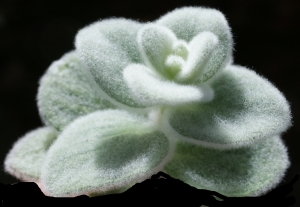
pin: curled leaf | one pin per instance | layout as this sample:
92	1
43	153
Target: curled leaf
148	89
188	22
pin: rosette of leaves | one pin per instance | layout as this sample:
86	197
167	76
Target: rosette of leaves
136	98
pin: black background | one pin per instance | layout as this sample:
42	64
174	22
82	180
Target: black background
35	33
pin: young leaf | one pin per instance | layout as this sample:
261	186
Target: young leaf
155	44
148	89
201	49
188	22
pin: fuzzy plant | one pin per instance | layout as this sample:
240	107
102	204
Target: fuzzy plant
133	99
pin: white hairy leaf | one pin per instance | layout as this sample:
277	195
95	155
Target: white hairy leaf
107	47
201	48
155	43
103	152
245	108
249	171
67	91
137	98
186	23
26	158
148	89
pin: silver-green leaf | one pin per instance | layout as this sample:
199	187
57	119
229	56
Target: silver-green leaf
103	152
245	109
67	91
107	47
249	171
26	158
188	22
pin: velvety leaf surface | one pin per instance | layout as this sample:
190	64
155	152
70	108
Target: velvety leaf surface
138	98
149	89
201	49
188	22
248	171
68	91
245	108
101	153
155	43
27	156
107	47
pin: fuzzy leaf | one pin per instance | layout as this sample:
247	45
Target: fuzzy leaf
155	43
68	91
245	108
27	155
103	152
201	49
107	47
246	171
188	22
148	89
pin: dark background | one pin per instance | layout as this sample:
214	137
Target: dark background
35	33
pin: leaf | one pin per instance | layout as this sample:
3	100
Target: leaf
103	152
149	90
155	44
67	91
248	171
201	49
107	47
188	22
245	109
27	155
